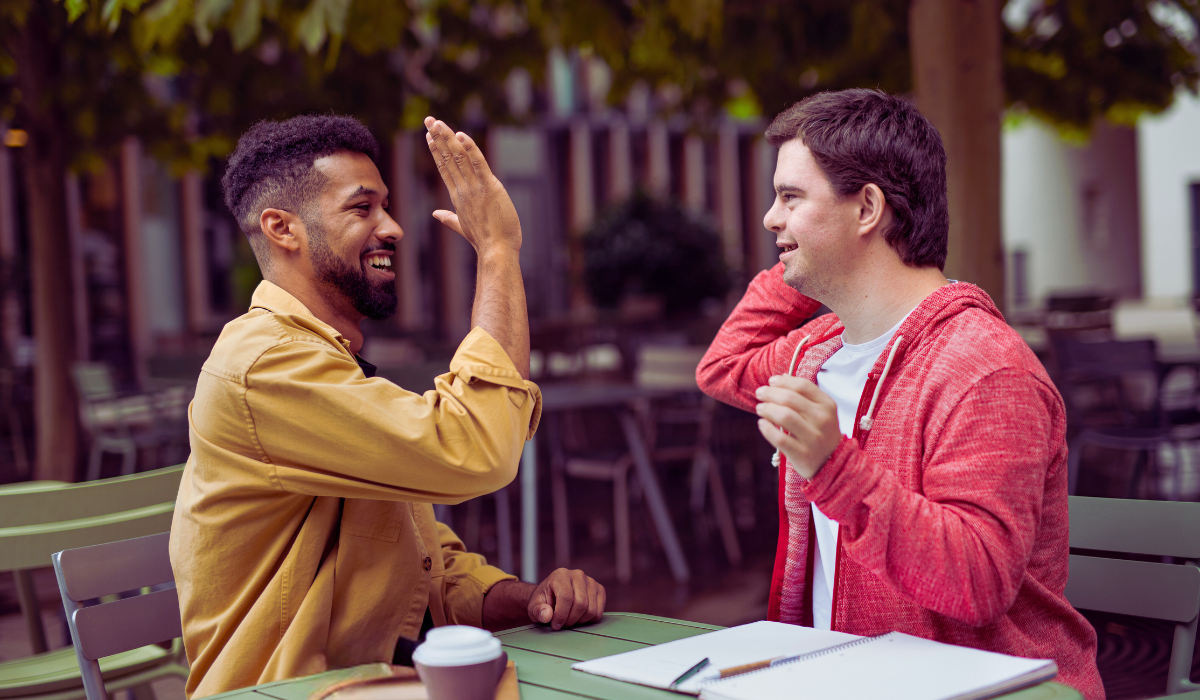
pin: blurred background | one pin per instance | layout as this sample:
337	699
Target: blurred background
628	133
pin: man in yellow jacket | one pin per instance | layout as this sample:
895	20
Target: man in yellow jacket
304	537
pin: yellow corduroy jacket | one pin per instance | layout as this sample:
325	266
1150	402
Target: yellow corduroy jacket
303	537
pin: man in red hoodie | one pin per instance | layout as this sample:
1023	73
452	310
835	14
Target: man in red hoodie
923	478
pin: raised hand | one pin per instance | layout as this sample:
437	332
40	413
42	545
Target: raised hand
807	414
484	214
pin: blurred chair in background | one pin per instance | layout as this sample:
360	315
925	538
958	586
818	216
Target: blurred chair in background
676	427
124	423
1083	316
681	428
1113	391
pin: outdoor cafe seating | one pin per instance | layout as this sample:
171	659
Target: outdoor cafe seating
116	638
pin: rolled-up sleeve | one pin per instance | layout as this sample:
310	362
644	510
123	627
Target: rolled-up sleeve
468	578
327	430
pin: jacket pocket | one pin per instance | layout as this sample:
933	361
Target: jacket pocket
376	520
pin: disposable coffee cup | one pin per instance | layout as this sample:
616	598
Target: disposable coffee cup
457	662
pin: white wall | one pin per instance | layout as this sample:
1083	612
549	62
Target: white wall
1072	209
1169	160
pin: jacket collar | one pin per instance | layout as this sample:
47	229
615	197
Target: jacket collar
271	297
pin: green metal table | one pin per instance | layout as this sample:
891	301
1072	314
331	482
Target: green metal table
544	659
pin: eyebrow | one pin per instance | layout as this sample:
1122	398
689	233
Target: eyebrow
790	189
362	189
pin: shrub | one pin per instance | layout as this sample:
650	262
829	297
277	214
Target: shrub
651	247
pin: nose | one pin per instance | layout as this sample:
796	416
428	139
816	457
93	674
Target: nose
389	230
773	220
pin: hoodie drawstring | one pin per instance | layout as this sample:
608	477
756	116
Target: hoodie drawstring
867	421
791	370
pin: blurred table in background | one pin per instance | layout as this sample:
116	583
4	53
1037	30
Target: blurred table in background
622	398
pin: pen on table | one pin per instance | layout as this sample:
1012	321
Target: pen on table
689	673
747	668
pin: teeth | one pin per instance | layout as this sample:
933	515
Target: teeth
379	261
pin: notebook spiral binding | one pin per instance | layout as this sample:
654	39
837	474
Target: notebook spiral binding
802	657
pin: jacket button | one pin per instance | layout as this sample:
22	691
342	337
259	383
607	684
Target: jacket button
428	563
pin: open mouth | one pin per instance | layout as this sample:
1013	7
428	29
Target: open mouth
380	262
788	248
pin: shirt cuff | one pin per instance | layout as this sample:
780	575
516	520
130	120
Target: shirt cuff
822	488
468	610
480	357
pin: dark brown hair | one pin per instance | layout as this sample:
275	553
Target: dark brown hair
868	136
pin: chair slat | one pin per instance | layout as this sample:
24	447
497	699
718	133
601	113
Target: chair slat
1161	528
1145	589
31	546
111	628
118	566
89	499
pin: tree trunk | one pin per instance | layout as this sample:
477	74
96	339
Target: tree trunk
957	73
45	165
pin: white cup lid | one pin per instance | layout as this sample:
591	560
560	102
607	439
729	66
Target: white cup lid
457	645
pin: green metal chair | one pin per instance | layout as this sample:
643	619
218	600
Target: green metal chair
40	518
1145	589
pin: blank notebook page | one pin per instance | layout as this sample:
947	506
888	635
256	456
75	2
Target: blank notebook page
895	666
658	665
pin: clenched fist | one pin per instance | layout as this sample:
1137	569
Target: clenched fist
564	599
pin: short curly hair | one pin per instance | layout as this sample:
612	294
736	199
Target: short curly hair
272	165
862	136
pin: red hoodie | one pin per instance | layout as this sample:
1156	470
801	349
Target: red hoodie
952	492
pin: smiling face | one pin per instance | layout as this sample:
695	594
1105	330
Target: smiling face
814	227
350	235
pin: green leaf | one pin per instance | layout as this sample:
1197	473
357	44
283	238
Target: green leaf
335	16
247	22
75	8
161	23
207	16
111	12
310	31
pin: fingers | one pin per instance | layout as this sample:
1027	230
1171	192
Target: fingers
475	156
794	403
597	598
567	598
801	426
789	443
450	156
448	219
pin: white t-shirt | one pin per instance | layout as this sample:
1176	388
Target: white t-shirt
843	377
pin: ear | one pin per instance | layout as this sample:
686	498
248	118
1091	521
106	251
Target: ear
280	228
872	209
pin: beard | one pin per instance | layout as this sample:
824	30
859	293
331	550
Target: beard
376	300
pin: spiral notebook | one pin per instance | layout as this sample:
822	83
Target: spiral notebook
656	666
895	666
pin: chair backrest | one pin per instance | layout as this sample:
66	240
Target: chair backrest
36	522
1145	589
1079	314
1126	371
106	628
1107	358
93	380
668	367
